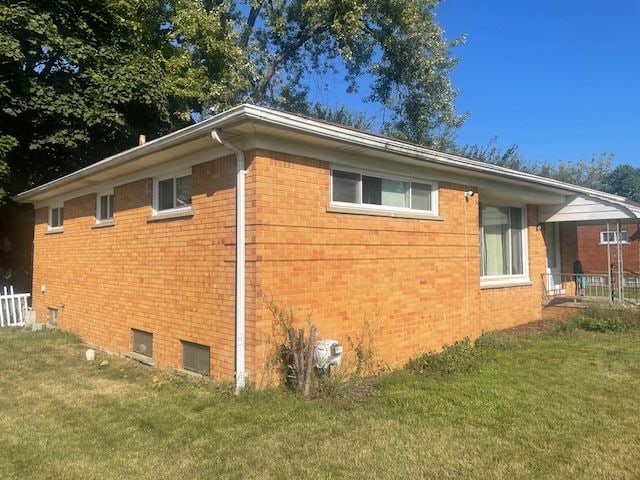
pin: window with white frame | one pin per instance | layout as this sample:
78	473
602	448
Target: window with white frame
173	193
503	242
56	217
376	191
104	207
611	236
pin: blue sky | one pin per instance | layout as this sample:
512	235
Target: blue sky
561	78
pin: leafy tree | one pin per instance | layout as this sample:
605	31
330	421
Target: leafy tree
341	116
594	173
492	153
397	42
625	181
80	79
587	173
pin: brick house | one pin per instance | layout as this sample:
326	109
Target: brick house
171	249
597	246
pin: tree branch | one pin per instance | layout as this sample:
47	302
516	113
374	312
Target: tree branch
251	21
48	66
258	92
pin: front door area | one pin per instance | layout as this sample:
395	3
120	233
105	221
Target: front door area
552	241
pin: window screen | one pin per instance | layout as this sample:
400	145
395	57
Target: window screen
105	207
174	193
165	194
183	191
143	342
420	196
195	357
346	187
57	217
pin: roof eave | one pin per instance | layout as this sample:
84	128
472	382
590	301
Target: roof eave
179	136
328	131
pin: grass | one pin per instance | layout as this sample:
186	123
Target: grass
556	405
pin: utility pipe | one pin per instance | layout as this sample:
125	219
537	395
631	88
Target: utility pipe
609	272
620	265
240	258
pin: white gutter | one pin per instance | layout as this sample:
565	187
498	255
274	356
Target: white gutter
240	258
353	136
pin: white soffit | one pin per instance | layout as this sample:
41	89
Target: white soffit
587	208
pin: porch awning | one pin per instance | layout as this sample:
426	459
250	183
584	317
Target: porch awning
582	208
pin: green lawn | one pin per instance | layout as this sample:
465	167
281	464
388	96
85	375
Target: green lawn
550	405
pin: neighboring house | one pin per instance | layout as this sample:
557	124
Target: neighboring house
598	247
174	248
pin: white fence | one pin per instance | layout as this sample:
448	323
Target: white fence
13	308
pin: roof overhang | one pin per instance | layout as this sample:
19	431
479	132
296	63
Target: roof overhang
247	123
588	208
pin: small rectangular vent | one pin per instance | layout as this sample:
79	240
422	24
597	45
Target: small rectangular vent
195	357
53	317
142	342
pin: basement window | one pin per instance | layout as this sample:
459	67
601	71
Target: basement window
53	316
142	342
196	358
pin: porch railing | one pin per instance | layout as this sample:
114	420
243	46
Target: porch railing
592	286
13	307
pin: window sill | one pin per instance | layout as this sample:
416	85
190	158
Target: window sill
613	243
103	224
138	357
54	230
192	374
505	283
383	213
171	215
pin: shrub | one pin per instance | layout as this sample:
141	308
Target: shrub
607	319
602	320
457	358
364	361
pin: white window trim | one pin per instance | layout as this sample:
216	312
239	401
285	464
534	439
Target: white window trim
105	220
156	195
50	218
499	281
615	233
365	208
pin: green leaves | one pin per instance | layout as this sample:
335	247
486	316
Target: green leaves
397	42
595	173
80	79
625	181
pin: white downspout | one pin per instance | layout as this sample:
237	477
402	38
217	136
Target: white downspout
240	258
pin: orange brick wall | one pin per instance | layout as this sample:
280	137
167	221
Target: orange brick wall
407	285
415	282
174	278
